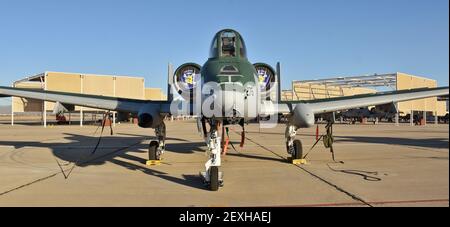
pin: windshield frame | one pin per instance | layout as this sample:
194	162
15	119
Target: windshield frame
240	49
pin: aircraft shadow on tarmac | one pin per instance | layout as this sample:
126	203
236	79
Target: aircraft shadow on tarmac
439	143
186	147
281	134
79	148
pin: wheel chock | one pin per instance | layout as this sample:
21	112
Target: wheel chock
298	161
153	162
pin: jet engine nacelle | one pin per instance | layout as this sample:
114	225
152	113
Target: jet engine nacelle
302	116
149	117
185	79
266	78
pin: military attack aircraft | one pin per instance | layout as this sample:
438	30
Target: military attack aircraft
226	90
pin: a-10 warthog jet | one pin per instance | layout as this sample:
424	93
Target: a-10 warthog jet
226	90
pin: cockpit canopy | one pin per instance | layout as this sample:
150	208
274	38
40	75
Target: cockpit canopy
228	43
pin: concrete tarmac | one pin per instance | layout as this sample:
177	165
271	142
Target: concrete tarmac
384	165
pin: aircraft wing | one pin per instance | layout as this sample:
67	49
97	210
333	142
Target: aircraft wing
357	101
93	101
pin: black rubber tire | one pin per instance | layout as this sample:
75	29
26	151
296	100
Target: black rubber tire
214	178
152	150
298	150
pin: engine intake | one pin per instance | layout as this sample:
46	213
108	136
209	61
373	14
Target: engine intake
266	78
185	79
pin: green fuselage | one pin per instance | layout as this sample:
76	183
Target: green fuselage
211	71
229	71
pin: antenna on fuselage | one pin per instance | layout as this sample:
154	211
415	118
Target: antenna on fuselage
278	82
169	82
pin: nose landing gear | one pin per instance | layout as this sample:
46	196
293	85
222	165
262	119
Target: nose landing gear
215	178
212	177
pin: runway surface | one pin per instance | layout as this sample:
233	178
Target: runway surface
384	165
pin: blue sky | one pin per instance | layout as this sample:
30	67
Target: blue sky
312	39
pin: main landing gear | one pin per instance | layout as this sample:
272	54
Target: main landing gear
156	148
293	146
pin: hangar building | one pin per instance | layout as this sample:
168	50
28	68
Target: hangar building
346	86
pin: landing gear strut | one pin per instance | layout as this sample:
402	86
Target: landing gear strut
293	146
156	148
212	177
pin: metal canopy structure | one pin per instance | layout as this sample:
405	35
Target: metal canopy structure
375	80
36	78
367	81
